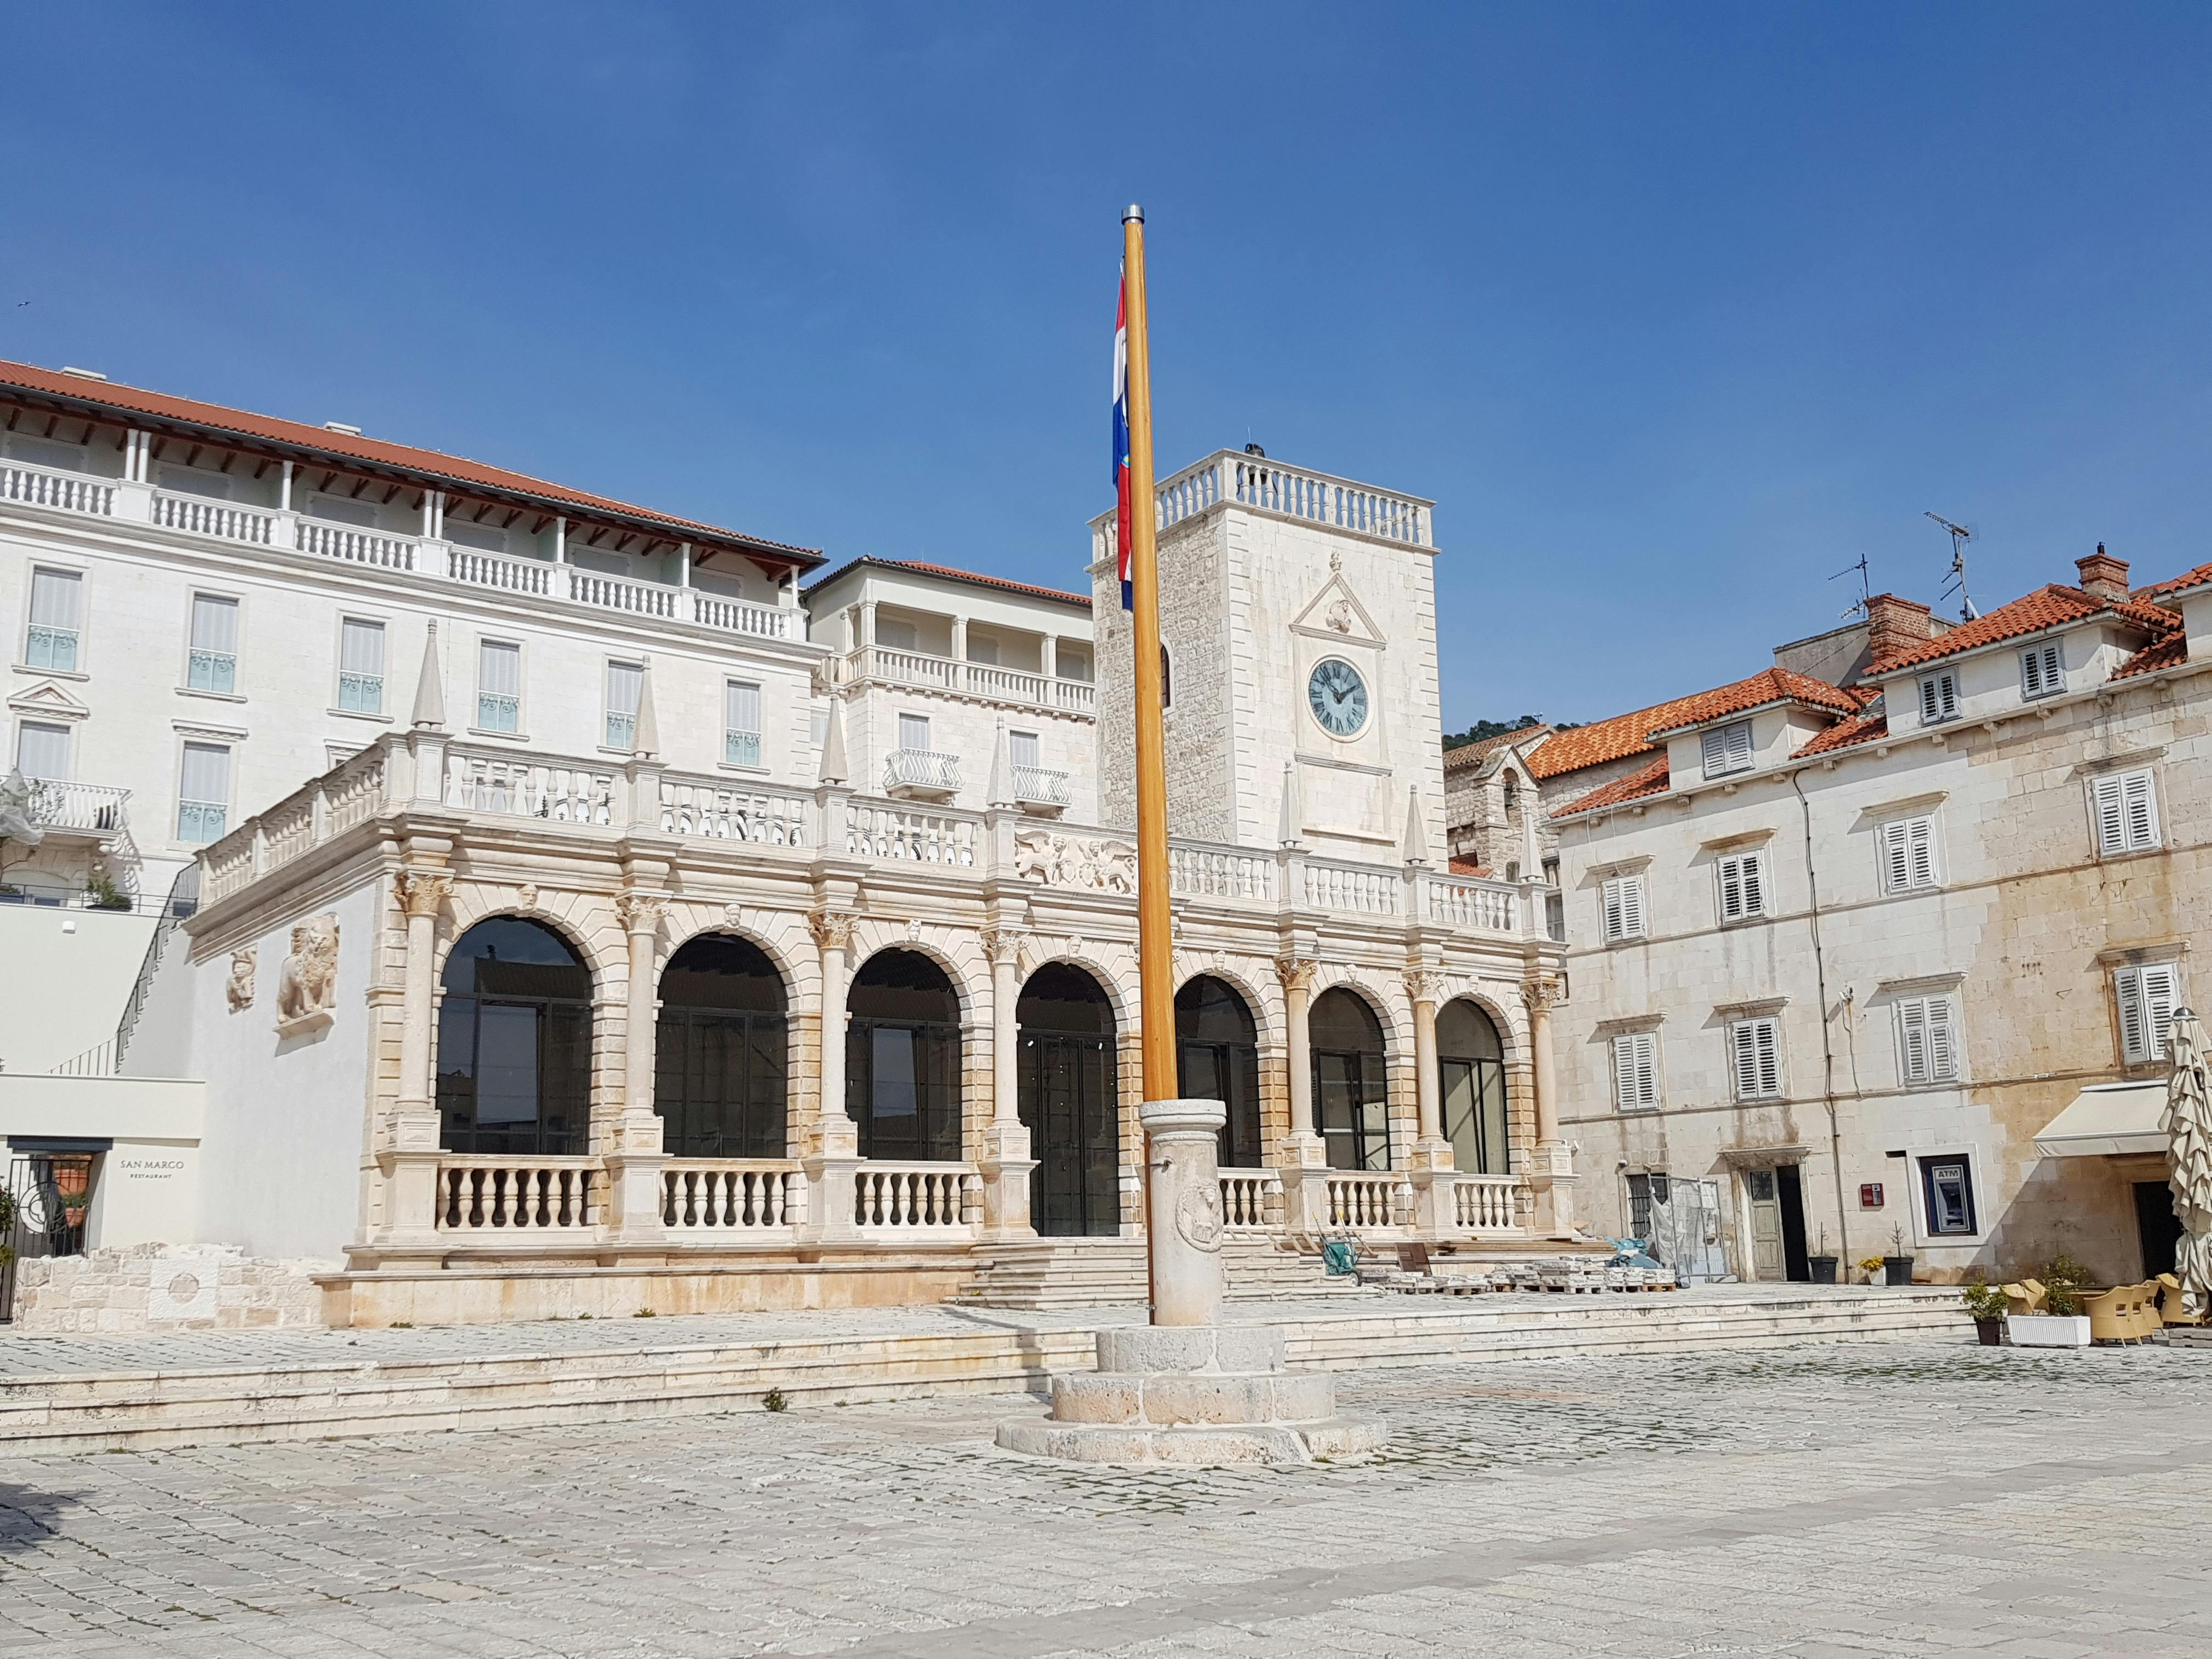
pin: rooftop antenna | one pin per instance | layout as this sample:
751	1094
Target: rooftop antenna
1864	591
1959	536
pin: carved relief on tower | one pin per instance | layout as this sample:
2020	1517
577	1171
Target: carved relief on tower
308	983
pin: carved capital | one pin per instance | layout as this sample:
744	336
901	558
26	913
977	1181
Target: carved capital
1296	973
832	929
1002	943
1424	985
1542	994
422	893
641	913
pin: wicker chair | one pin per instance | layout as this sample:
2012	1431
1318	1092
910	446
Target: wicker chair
2024	1297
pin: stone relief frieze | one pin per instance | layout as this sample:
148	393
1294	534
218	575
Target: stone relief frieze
1071	861
308	983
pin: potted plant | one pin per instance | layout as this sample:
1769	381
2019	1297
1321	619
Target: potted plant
2061	1324
1821	1264
1871	1266
1897	1264
1986	1305
100	893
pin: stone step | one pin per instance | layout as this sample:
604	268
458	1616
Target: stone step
1102	1272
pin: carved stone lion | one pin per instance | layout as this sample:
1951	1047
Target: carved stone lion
239	986
1103	866
308	984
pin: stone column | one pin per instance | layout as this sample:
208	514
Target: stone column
832	1158
1552	1168
1182	1148
407	1151
1430	1167
1304	1155
1005	1164
631	1142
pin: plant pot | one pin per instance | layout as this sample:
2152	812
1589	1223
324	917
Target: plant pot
1898	1268
1990	1331
2050	1330
1823	1268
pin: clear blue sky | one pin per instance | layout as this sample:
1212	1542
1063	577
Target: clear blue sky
1674	310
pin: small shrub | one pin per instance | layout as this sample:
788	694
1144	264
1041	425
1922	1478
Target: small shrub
773	1400
1983	1300
402	1324
101	893
644	1313
2063	1279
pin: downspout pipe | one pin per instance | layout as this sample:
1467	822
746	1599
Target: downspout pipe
1827	1042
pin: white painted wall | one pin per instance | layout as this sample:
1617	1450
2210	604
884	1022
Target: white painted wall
64	977
146	1188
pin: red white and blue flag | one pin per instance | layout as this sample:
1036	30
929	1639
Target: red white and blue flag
1121	530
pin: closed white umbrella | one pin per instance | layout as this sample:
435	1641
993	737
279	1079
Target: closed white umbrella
2188	1125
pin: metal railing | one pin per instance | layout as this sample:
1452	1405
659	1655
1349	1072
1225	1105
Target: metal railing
921	769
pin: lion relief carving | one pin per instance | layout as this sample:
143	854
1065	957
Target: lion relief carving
308	984
1103	866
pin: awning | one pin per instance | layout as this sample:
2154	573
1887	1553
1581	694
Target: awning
2107	1120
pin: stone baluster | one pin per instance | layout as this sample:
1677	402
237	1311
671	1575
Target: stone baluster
1552	1168
1005	1164
832	1159
630	1140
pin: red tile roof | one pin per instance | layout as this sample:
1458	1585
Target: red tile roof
2049	606
1630	735
90	398
1646	781
2168	652
2202	573
1468	868
1860	728
977	577
1468	754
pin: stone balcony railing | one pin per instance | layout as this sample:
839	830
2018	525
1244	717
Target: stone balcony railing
439	560
402	772
98	811
1260	485
881	664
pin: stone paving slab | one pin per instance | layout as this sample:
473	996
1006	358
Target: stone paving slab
1921	1498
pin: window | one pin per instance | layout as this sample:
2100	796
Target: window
625	687
1927	1045
1622	898
1939	698
1071	663
982	648
896	635
212	663
42	751
1636	1071
1644	1191
1947	1183
203	791
1728	749
1743	885
499	686
52	640
1908	854
1755	1054
914	731
2126	808
2147	996
741	723
1022	751
2041	673
360	666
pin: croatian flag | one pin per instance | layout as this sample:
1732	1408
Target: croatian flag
1121	531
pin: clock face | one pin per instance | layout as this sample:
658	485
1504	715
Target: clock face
1338	696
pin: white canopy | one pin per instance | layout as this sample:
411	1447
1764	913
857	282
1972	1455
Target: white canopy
2107	1119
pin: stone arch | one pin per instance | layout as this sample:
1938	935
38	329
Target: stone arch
1358	1093
1473	1087
514	1047
721	1048
1122	994
599	940
1067	1067
1217	1058
788	948
961	960
905	1030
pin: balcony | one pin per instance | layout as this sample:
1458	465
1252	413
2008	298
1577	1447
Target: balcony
436	560
920	774
881	664
1257	484
1040	787
79	812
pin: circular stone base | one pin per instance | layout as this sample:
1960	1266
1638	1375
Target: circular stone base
1211	1445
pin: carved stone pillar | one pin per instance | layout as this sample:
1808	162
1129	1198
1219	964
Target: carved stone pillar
832	1155
1303	1156
1430	1167
1005	1164
407	1152
1552	1169
630	1139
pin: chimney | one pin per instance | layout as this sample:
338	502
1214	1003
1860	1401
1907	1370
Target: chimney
2103	576
1895	626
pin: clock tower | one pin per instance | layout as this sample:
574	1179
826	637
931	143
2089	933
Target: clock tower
1298	615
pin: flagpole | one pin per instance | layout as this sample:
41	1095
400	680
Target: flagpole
1155	935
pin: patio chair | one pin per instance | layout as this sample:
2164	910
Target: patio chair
2116	1315
2167	1303
2024	1297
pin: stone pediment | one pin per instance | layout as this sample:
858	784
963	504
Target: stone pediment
48	698
1335	614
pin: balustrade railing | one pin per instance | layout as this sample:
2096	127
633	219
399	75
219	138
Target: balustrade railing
1251	1199
476	570
913	837
1485	1204
604	593
917	1197
525	786
337	541
889	666
70	492
1361	1201
711	810
1362	888
1470	902
1196	870
543	1195
754	1197
92	808
216	518
1294	492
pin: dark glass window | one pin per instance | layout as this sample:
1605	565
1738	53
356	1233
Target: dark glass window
1471	1065
902	1058
720	1060
1217	1058
1351	1094
1949	1187
1069	1101
514	1043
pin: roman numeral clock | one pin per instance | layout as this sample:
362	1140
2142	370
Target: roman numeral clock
1337	694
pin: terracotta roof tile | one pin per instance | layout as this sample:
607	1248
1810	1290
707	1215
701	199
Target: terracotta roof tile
106	397
1468	868
1860	728
977	577
1648	780
2168	652
1468	754
2048	607
2202	573
1630	735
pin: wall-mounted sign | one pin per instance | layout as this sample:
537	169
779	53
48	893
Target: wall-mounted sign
1871	1195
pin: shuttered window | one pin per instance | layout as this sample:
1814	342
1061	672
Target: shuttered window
1636	1071
361	666
1755	1053
42	751
625	685
2041	672
2147	995
1622	898
1908	854
212	665
1728	749
1927	1043
52	639
741	723
2125	805
1939	698
1743	885
914	731
499	686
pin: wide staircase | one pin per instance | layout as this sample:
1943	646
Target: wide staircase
1103	1273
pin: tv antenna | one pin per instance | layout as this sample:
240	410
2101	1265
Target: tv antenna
1961	535
1864	591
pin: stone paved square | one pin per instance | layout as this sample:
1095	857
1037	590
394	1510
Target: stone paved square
1921	1499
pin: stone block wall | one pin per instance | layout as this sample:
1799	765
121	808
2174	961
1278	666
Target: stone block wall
164	1288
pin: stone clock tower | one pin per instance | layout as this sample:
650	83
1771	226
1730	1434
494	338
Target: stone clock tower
1298	613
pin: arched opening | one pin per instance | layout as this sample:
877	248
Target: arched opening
902	1058
514	1043
719	1059
1069	1101
1350	1093
1471	1083
1217	1058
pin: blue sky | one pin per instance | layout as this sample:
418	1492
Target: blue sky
1674	310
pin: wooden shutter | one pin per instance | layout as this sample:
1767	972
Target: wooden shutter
1908	854
1939	698
1731	875
2039	671
1942	1050
1636	1071
1755	1051
1624	908
2138	811
1727	748
1912	1039
1753	877
2147	998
